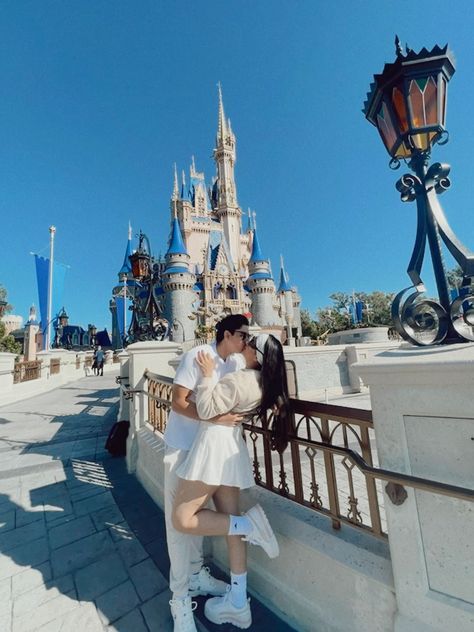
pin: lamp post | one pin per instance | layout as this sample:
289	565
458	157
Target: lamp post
146	319
407	104
93	334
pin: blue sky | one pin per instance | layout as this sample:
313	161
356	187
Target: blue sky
100	98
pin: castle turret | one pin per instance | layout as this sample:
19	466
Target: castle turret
262	288
30	344
227	208
289	301
178	283
285	297
122	290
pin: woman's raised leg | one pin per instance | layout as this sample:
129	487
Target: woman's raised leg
189	512
227	500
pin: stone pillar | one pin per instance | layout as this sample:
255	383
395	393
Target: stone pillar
45	357
124	407
352	358
155	357
109	357
422	402
30	341
80	370
7	364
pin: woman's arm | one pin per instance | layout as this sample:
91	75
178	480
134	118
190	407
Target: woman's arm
216	399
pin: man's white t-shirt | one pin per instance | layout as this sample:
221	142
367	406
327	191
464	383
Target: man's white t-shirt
180	430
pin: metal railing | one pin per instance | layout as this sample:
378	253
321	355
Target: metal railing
330	465
54	366
25	371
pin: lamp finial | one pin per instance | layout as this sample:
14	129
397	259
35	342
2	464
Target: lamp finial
398	47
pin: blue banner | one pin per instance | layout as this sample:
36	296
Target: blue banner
120	315
42	278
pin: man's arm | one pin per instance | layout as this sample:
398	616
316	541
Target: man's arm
182	405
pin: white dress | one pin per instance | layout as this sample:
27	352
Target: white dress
219	455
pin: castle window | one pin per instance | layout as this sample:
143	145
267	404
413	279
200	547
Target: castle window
217	290
231	292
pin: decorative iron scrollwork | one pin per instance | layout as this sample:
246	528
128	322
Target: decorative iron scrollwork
420	320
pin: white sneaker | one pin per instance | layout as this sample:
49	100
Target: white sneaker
262	533
205	584
182	612
221	610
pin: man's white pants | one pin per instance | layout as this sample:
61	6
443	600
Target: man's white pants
185	551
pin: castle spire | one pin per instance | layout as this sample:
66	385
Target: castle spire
221	123
175	195
176	246
249	221
256	250
126	267
184	195
284	284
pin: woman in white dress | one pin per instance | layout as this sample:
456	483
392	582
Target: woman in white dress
218	466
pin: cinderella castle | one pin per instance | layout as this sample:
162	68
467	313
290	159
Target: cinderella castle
213	265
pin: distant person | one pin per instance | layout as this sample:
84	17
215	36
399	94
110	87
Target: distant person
99	357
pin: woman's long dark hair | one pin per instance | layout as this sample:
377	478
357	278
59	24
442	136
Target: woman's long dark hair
275	393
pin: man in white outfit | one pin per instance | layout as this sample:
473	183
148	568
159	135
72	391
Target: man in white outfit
188	577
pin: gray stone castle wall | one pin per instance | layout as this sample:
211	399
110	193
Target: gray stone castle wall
178	306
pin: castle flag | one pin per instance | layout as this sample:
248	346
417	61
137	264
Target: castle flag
42	278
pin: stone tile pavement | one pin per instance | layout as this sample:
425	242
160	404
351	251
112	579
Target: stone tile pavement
82	545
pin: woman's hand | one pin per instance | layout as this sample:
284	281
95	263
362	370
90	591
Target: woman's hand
206	363
228	419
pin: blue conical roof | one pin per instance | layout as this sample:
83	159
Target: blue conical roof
284	285
256	250
177	246
126	267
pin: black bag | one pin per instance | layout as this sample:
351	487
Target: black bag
116	442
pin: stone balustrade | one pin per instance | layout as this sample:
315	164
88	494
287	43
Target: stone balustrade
67	367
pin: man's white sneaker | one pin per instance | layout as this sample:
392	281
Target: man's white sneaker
262	533
221	610
204	584
182	612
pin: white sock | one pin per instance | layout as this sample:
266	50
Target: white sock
238	590
179	597
239	525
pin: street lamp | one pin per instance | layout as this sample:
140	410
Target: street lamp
146	320
407	104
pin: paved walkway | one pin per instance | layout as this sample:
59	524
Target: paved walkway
82	545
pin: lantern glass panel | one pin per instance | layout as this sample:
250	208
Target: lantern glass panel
442	96
399	107
386	128
422	95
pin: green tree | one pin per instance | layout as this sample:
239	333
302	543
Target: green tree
336	317
7	343
455	278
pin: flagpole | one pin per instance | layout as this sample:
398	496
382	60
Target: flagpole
124	310
52	230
